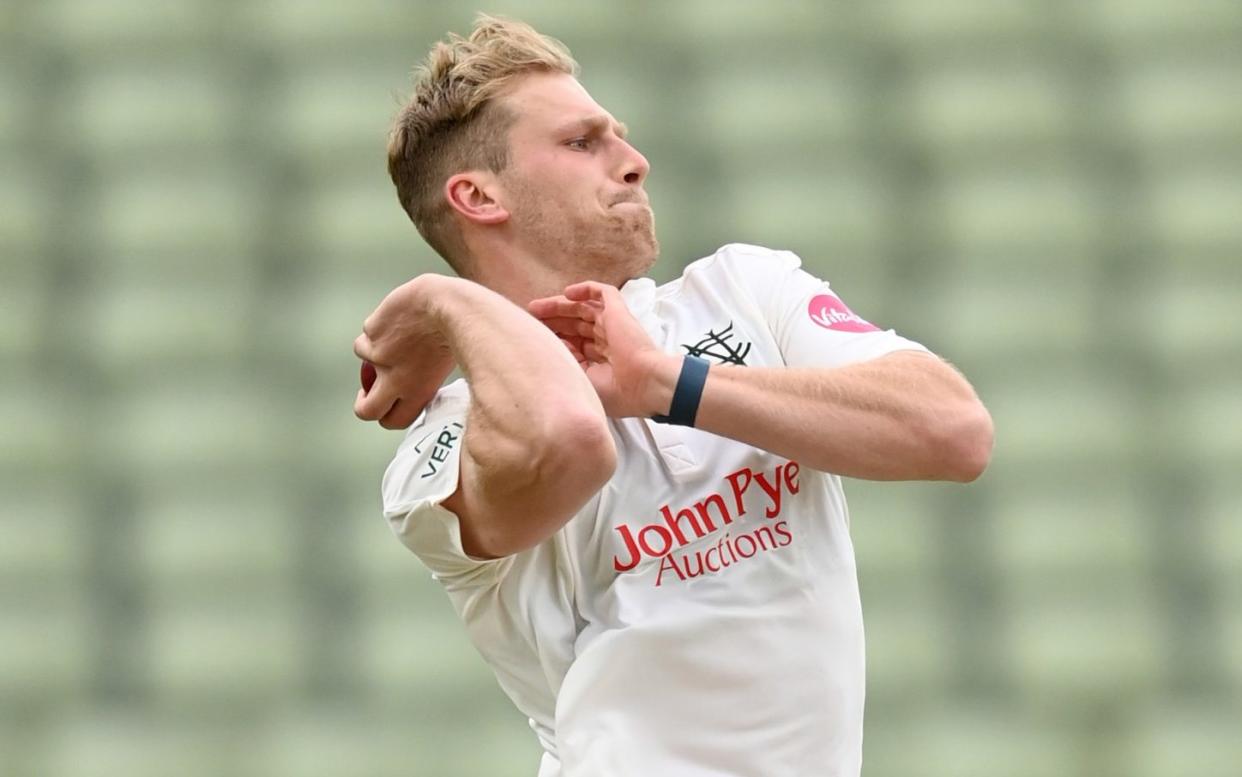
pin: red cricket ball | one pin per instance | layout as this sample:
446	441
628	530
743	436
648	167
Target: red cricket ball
368	376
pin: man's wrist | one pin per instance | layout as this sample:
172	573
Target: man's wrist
433	294
665	371
445	299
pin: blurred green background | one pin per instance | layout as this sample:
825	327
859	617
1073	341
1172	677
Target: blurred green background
195	219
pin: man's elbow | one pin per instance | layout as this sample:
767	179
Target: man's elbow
967	445
559	470
583	455
576	458
572	458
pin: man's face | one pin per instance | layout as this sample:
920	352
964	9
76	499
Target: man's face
574	186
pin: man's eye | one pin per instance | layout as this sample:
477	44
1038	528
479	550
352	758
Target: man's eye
580	143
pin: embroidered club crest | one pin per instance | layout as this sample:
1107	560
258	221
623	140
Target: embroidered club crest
720	347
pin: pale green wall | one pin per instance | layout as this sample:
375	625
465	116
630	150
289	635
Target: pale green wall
195	218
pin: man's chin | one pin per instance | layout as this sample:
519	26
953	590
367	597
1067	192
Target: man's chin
645	244
653	254
643	250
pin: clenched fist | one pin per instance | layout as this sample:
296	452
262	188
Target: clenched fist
402	341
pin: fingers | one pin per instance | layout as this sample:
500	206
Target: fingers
374	404
368	405
400	415
592	352
363	348
561	307
587	290
593	291
570	327
574	346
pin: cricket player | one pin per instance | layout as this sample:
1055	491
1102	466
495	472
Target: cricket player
633	499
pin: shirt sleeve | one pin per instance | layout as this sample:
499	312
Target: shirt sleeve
421	476
812	325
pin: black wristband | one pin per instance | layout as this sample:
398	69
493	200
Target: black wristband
689	391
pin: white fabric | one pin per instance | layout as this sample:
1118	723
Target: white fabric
700	616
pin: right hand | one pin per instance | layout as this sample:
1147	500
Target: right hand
402	340
630	374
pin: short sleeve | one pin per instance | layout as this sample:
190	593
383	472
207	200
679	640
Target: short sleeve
422	475
812	325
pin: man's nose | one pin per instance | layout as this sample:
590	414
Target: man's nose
634	166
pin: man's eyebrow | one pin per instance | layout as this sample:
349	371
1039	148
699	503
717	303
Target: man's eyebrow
596	124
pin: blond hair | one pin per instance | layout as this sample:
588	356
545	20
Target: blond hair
453	121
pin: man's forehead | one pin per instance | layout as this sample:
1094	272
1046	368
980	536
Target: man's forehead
553	101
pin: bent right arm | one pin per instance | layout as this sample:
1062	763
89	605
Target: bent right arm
536	445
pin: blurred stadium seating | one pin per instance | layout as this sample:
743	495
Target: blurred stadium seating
195	218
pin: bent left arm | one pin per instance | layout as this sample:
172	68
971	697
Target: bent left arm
904	416
907	415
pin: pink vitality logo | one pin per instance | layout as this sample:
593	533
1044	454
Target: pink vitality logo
831	313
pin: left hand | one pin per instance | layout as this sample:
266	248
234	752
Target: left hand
632	376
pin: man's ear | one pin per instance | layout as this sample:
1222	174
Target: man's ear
472	195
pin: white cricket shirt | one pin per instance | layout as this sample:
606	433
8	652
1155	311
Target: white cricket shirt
700	616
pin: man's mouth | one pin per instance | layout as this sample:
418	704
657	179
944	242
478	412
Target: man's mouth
632	201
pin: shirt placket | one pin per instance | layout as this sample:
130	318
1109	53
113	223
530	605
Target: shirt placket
676	455
669	440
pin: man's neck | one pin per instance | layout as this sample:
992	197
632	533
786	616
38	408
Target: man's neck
521	278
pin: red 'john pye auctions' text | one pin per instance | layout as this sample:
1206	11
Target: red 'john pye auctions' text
674	530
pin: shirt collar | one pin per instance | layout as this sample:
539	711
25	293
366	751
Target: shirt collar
639	294
640	297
